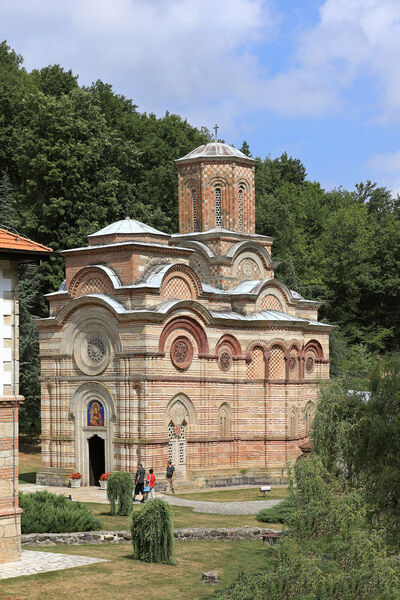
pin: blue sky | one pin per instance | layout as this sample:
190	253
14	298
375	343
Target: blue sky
318	79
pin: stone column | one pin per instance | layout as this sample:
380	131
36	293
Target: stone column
10	513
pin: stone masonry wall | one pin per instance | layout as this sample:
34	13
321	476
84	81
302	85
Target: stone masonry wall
117	537
10	530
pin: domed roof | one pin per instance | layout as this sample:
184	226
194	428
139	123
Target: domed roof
128	226
215	150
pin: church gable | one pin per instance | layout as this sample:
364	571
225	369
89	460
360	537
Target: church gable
93	280
181	282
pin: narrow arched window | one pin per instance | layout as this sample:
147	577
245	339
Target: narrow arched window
225	418
293	423
240	208
218	211
194	202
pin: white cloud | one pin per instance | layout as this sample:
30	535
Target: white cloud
389	162
202	58
165	54
354	40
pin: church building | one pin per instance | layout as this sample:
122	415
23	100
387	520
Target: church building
181	347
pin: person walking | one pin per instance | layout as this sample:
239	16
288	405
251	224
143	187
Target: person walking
139	482
170	476
150	485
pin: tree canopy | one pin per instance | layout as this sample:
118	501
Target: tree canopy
74	159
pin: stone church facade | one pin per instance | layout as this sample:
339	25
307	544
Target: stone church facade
180	346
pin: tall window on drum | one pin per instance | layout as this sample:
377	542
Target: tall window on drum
194	203
218	207
240	208
182	445
171	439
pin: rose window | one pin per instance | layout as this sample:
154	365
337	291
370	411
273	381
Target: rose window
182	352
95	349
225	360
309	363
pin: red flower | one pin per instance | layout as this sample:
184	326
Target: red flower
76	476
104	477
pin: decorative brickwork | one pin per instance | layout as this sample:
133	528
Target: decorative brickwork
90	281
277	363
224	194
270	302
177	287
256	367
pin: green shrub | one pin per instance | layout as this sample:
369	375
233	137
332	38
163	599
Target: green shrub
119	490
152	533
357	568
281	513
324	505
49	513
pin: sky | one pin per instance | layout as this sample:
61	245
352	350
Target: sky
317	79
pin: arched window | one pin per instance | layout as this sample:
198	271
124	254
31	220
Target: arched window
309	412
240	208
293	423
224	420
194	202
218	207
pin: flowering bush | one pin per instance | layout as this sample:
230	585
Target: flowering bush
76	476
104	477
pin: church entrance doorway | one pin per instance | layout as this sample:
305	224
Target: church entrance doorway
177	446
96	459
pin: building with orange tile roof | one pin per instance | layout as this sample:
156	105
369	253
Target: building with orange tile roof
14	249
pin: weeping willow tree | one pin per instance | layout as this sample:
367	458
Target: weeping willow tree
119	491
152	533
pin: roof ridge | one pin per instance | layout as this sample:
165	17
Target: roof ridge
18	237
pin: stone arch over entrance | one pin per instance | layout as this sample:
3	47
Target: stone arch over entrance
92	422
180	416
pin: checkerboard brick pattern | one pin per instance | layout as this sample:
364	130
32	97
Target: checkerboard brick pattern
177	287
270	302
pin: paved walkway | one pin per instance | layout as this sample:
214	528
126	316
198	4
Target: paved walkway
33	562
95	494
250	507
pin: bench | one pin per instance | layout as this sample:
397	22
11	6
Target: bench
271	538
265	489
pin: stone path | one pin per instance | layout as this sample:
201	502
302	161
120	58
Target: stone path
94	494
250	507
33	562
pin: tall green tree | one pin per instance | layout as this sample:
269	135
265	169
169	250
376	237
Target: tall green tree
8	212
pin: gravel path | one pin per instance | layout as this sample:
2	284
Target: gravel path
222	508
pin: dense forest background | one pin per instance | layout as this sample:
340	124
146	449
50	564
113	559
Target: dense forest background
74	159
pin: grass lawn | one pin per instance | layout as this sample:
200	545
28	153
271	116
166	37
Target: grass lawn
124	578
28	465
182	517
239	495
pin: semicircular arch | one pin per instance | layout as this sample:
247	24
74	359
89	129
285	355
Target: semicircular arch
188	324
229	340
181	279
93	279
188	407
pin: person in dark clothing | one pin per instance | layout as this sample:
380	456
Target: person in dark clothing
139	482
170	476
